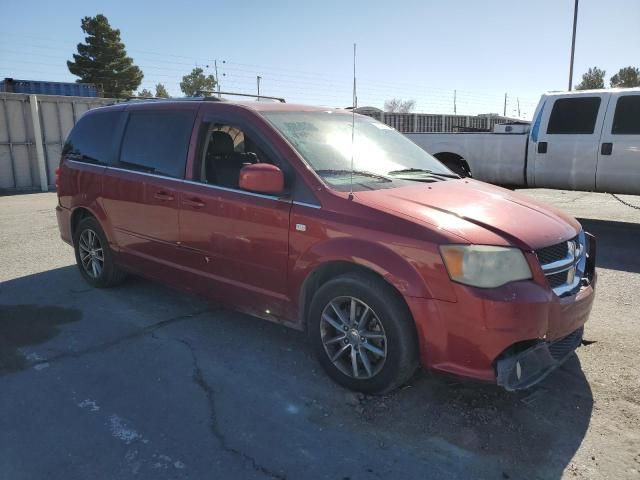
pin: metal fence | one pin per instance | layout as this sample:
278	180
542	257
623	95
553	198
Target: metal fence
427	122
33	129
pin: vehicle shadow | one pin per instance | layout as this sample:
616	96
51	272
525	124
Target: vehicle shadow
614	242
272	398
529	434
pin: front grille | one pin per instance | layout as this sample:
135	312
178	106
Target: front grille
557	279
563	347
563	264
553	253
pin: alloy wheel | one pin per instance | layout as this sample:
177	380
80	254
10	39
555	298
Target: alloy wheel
91	253
353	337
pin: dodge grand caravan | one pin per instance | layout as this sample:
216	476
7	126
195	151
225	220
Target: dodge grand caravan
333	224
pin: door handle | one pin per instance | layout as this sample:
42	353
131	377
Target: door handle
606	148
542	147
164	196
193	202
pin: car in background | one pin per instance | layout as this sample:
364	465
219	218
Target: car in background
581	140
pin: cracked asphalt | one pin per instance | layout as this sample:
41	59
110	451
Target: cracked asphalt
144	382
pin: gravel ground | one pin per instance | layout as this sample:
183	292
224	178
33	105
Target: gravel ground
143	382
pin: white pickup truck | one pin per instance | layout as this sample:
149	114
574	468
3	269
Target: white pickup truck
582	140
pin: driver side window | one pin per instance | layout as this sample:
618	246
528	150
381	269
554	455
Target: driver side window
225	150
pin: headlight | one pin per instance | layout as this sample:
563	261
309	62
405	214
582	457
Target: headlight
484	266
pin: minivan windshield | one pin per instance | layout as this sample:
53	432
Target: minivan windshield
382	157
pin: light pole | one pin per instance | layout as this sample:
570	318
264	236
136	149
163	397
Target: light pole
258	78
573	43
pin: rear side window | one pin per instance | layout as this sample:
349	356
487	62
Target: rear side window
93	140
157	141
626	120
574	116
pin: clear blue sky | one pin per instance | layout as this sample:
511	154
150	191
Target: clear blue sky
415	49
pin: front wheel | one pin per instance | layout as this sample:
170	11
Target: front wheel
363	334
93	255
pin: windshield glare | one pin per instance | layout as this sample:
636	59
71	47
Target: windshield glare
324	139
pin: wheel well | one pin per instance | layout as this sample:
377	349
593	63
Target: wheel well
328	271
77	215
453	159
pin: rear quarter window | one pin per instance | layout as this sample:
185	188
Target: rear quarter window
94	138
626	120
574	116
157	141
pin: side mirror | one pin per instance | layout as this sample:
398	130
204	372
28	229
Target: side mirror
262	178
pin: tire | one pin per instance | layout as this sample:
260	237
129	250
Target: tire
387	316
89	242
459	168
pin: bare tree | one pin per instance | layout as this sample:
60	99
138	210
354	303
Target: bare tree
397	105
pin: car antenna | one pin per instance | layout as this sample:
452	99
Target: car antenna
354	104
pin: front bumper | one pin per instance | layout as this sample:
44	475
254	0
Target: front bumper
478	335
522	369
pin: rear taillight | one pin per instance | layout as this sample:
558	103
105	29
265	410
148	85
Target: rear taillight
57	178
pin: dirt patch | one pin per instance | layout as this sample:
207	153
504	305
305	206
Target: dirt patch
22	325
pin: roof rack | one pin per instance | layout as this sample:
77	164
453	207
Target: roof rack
212	92
129	99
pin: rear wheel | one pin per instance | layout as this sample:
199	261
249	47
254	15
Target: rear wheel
455	163
363	334
93	255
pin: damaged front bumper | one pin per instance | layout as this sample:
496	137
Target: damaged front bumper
524	368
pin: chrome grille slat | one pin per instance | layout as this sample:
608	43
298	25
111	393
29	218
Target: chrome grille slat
563	264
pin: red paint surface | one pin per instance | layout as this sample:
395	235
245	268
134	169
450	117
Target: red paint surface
245	251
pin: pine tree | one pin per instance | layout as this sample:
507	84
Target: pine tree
627	77
145	93
594	78
196	82
103	60
161	91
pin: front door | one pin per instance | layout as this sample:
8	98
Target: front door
236	241
619	152
566	154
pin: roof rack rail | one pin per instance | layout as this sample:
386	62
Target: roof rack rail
212	92
131	98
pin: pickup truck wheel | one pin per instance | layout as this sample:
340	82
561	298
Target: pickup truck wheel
459	168
455	163
363	334
93	255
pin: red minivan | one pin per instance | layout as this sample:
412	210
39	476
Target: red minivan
330	223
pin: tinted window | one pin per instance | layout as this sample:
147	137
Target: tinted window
626	120
574	115
93	138
157	142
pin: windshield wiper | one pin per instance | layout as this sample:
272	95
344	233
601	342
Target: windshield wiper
422	171
410	170
362	173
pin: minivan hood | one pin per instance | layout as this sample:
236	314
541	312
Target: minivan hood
476	211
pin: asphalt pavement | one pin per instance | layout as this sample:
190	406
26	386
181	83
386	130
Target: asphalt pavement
140	381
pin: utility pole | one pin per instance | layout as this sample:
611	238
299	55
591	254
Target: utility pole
504	112
215	66
258	78
455	112
573	43
518	107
